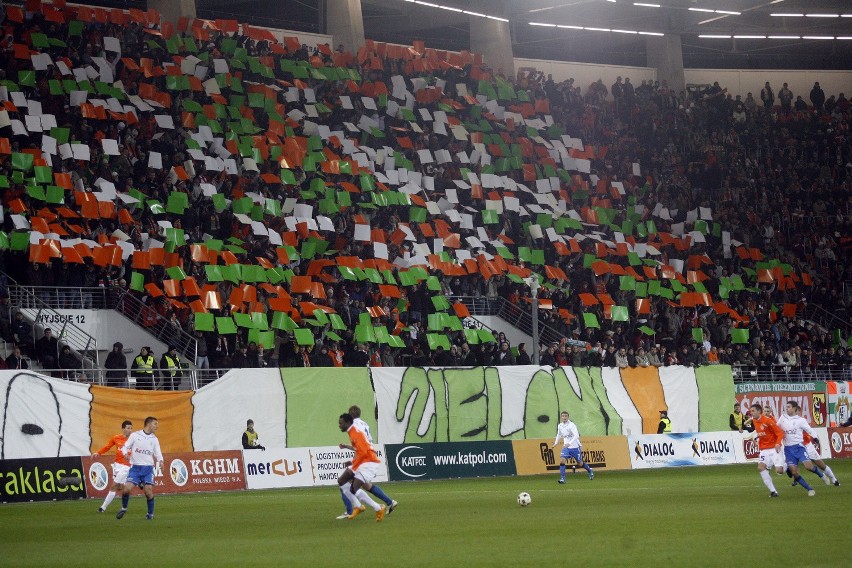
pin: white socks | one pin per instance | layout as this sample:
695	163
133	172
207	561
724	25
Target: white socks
110	496
362	495
346	489
767	480
830	474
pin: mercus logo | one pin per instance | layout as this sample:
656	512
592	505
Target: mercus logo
98	476
408	462
278	467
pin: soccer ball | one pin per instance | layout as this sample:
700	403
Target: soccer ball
524	499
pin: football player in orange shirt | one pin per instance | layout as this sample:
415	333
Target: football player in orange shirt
769	440
365	467
120	466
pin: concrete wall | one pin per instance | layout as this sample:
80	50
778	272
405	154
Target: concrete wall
513	334
584	74
309	39
741	82
107	327
737	81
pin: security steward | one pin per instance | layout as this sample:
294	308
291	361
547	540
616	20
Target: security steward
170	369
250	437
142	369
665	425
740	422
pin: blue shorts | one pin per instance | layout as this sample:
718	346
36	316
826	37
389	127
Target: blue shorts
141	475
794	455
568	453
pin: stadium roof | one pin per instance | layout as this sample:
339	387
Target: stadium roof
782	47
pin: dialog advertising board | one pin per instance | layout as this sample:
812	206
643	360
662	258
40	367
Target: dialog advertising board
673	450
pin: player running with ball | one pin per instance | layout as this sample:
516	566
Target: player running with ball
567	430
143	449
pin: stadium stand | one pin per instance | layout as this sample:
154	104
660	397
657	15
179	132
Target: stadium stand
296	206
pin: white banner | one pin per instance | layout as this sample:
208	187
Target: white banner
278	467
328	462
672	450
823	443
221	409
301	467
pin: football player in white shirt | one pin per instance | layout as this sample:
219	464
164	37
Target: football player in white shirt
794	449
347	475
567	431
817	465
143	449
813	454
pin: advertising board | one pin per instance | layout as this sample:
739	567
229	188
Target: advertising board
672	450
450	460
535	457
38	479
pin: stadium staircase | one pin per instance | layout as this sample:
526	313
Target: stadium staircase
82	344
514	316
42	304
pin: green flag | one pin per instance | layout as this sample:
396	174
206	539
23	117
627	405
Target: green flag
225	326
204	322
438	340
698	335
304	336
619	313
137	281
739	335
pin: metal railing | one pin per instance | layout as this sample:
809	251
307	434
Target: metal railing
513	315
110	298
147	317
186	379
44	316
478	305
64	298
787	373
193	379
826	319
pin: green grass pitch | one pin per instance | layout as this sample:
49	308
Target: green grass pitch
711	516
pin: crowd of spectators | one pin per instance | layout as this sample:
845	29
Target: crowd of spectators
776	179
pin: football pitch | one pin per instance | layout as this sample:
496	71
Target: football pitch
710	516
